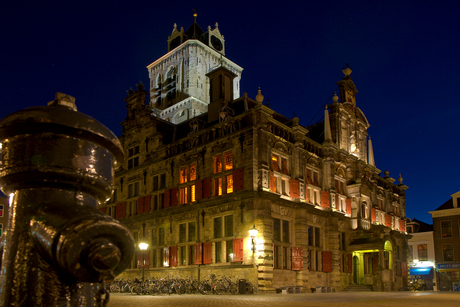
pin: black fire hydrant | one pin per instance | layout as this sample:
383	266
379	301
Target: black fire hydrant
57	166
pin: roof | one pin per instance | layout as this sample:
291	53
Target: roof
423	226
194	32
447	205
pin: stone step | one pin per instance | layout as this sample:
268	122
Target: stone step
358	288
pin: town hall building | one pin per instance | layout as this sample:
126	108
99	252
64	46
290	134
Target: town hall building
205	164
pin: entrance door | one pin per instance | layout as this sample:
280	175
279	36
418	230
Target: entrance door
355	270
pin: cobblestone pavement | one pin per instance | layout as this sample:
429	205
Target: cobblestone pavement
344	299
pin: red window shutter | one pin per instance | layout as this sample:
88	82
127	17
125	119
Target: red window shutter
294	188
166	256
348	206
139	260
238	180
119	210
387	220
342	190
237	250
271	182
103	209
174	197
375	264
325	201
296	259
350	263
167	198
173	255
199	189
337	186
327	261
207	253
147	202
206	187
199	253
402	225
373	214
404	269
140	205
216	187
123	208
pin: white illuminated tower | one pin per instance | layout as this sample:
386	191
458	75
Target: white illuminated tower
179	87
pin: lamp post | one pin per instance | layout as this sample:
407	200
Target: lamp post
253	233
143	247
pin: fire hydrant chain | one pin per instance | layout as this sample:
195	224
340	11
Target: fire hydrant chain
103	296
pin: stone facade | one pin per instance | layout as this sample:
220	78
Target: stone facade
193	190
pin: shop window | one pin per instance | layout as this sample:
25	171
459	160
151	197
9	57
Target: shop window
448	252
446	229
422	252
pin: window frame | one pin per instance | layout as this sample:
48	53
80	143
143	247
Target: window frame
449	229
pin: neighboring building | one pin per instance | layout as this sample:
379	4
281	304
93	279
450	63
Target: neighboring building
204	166
421	258
446	226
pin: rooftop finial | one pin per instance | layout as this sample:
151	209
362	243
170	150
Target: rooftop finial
194	14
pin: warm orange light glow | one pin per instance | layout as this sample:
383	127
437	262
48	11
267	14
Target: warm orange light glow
192	171
219	186
183	195
217	163
229	183
228	158
183	174
192	192
275	164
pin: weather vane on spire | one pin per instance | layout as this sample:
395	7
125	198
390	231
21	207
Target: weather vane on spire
194	14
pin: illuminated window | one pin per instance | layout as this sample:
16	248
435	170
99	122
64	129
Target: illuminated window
192	171
229	183
228	158
275	164
218	183
446	229
183	174
422	252
192	193
183	195
1	206
217	162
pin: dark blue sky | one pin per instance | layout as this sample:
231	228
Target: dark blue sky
404	56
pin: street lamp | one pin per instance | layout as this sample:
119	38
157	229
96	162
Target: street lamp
143	247
253	233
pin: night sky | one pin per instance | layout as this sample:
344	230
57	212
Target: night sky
404	56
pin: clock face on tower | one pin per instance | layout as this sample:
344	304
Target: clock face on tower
216	43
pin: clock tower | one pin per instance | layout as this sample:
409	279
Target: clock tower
179	85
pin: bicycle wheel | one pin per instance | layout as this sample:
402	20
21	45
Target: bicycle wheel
249	289
234	288
114	289
136	289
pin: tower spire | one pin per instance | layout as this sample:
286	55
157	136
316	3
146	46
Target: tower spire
327	126
371	153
